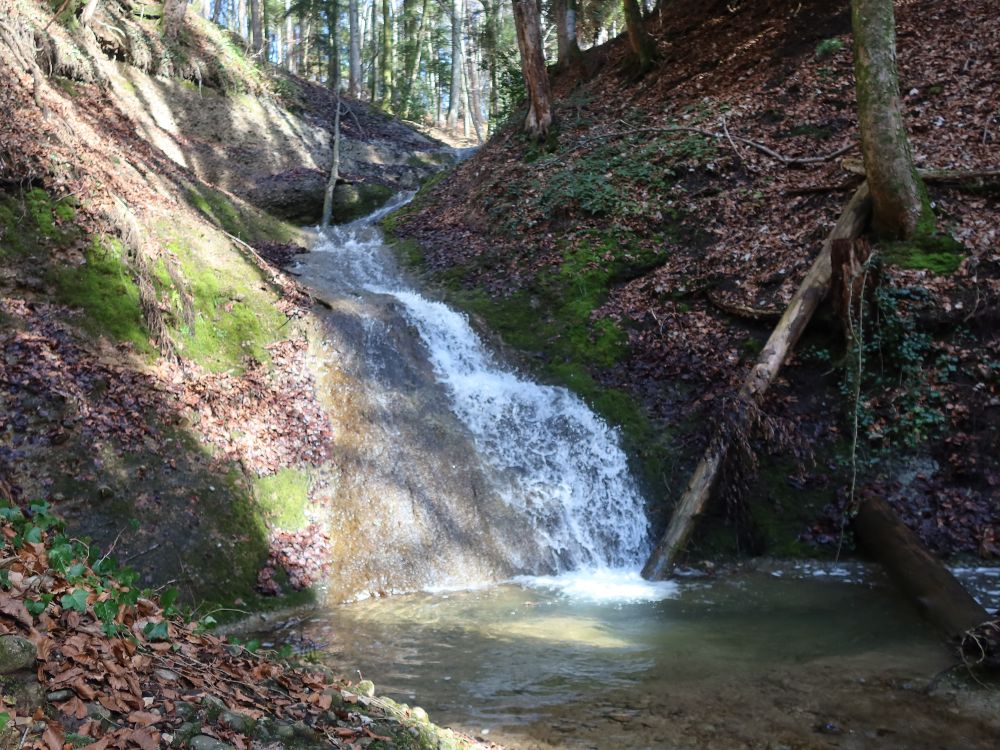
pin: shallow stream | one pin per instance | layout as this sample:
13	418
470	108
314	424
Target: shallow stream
502	515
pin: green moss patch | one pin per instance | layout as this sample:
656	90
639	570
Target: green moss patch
249	224
234	315
283	497
937	253
103	288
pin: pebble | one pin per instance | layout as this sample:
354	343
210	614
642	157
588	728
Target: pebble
236	722
204	742
16	653
57	696
166	675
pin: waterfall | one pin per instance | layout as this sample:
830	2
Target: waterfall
556	466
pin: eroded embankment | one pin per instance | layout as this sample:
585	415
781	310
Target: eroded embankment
159	372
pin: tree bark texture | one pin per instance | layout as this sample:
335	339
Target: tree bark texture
455	91
922	577
333	17
811	291
173	17
899	202
639	40
387	79
256	26
564	16
529	40
331	183
354	51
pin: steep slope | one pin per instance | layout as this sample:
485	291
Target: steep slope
642	256
158	385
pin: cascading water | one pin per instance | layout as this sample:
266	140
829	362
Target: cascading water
557	468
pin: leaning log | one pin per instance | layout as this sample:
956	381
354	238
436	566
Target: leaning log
924	579
811	291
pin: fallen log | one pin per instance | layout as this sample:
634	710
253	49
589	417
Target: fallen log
974	177
941	599
811	291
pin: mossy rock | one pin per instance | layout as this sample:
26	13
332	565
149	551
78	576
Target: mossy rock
16	653
355	200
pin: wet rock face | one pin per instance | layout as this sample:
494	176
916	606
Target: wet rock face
297	196
372	173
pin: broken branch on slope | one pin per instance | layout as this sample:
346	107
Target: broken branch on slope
811	292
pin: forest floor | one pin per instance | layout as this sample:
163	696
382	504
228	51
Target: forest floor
655	239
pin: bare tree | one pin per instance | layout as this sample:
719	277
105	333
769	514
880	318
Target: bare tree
173	17
900	204
354	51
639	39
455	94
529	40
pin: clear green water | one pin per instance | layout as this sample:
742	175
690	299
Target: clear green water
754	659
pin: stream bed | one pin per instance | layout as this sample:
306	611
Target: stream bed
501	516
779	656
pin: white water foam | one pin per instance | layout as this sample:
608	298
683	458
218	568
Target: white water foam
553	459
604	586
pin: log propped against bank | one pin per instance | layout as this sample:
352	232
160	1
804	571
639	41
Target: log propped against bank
811	292
941	599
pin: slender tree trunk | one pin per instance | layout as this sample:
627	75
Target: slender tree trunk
331	183
88	12
289	38
529	41
216	11
568	49
306	45
375	50
898	196
472	83
242	18
333	17
387	77
173	17
413	62
639	40
256	27
455	93
354	51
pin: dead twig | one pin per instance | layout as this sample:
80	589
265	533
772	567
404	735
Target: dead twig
767	150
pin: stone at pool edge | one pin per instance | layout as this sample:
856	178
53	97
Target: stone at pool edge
16	654
204	742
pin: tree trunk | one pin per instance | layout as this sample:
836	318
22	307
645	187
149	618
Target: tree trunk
242	18
333	17
565	22
899	200
173	17
375	51
455	93
639	40
354	51
923	578
216	11
331	184
88	12
536	77
256	27
413	63
472	79
811	291
387	78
